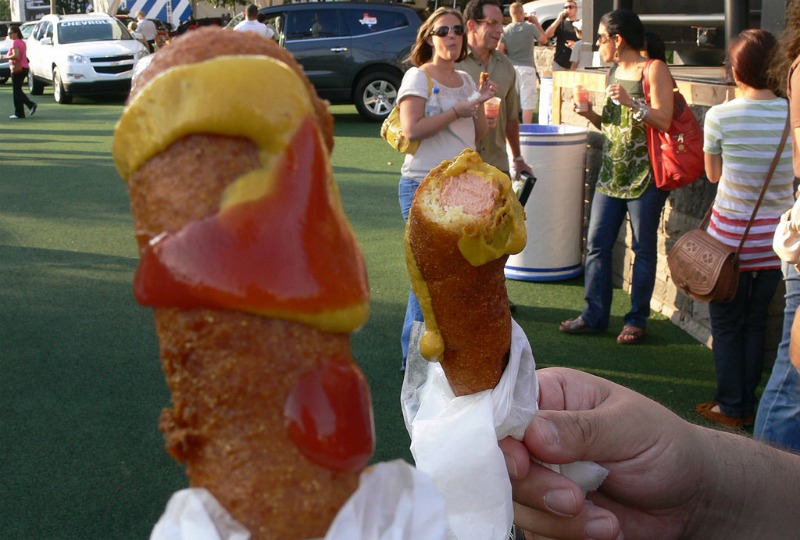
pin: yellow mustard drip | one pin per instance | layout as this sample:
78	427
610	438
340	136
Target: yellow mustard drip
479	242
431	345
227	95
255	97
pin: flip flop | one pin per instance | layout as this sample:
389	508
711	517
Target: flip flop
706	411
630	335
577	326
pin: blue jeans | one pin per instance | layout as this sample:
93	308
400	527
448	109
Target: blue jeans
405	193
738	331
778	417
608	215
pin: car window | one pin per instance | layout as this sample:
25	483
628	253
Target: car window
374	20
91	30
313	24
276	23
38	31
26	30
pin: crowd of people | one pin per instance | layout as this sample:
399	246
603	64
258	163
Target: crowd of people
667	477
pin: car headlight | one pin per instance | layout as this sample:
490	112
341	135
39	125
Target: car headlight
138	55
77	59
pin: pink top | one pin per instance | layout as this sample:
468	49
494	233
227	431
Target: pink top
20	52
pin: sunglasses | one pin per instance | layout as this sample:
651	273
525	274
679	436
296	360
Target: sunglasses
442	31
602	38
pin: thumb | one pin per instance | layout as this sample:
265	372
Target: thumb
560	437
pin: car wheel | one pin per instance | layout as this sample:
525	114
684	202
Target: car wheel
35	88
376	94
60	95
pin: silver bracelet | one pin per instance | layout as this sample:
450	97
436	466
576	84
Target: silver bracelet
640	110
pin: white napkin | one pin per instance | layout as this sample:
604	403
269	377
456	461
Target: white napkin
454	439
194	514
394	501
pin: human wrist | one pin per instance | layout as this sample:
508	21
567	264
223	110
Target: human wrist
519	159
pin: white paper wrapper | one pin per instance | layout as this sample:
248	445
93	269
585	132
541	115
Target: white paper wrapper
194	514
394	501
454	439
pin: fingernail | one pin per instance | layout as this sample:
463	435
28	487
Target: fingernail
561	502
599	529
511	465
547	430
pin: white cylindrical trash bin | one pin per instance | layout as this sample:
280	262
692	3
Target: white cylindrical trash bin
554	211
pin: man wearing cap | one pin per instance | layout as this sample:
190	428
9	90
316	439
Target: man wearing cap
519	38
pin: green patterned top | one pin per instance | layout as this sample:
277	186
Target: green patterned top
625	171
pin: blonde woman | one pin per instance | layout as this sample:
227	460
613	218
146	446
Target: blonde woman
443	130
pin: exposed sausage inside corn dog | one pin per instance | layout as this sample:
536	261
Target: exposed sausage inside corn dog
463	224
255	278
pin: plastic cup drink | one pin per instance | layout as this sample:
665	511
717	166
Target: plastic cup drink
491	107
580	96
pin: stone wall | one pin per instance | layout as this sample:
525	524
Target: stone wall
683	211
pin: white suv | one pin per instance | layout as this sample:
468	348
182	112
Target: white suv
82	54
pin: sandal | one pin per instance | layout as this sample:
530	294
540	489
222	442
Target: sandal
706	411
630	335
577	326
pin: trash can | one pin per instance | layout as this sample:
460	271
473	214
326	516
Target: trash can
554	211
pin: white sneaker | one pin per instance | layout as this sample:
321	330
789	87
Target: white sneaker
14	117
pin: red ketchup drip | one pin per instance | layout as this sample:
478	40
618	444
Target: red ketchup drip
291	250
328	416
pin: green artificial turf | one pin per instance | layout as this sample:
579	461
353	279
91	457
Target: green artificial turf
80	382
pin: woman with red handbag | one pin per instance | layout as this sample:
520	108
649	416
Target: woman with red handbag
742	137
625	184
18	63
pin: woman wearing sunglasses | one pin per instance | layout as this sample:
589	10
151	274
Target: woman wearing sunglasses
625	184
445	130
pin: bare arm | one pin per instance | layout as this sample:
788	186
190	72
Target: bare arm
551	30
416	126
542	39
713	164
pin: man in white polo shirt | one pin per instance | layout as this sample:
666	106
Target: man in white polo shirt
250	23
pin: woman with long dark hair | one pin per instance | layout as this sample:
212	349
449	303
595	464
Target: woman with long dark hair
741	139
625	184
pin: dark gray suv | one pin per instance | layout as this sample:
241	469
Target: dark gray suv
351	52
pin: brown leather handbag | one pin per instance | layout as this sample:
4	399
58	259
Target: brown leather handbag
702	267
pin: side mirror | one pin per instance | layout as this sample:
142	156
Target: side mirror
47	41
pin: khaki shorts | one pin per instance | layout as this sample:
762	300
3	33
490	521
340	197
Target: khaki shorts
527	87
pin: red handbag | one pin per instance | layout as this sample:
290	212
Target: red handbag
676	155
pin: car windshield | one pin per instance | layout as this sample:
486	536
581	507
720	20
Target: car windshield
91	30
26	30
